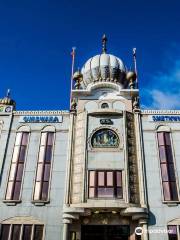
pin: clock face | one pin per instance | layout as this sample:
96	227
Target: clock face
8	109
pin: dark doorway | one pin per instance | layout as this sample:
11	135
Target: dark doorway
104	232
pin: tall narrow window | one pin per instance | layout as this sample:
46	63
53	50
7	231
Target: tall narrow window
17	166
5	231
105	184
38	232
16	229
173	232
167	167
44	166
27	230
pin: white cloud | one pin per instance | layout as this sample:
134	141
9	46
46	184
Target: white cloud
165	93
165	100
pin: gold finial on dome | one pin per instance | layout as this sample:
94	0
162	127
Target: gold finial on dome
77	77
131	77
104	42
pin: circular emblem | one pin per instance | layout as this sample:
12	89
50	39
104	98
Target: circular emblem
138	231
8	109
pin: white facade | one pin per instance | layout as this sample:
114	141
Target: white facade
26	210
113	167
161	213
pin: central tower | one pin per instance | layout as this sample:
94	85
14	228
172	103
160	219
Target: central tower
105	195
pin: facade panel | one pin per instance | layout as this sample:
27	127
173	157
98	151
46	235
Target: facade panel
103	170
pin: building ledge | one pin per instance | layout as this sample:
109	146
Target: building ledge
69	209
130	211
11	202
70	213
109	85
103	204
40	203
172	204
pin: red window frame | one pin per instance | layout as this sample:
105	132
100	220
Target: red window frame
100	188
168	177
173	232
41	190
17	167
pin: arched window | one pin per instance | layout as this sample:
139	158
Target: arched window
41	191
105	138
17	164
104	105
174	229
168	177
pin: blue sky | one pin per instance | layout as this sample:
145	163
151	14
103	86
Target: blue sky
36	38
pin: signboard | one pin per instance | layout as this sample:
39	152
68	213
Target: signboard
164	118
40	119
106	121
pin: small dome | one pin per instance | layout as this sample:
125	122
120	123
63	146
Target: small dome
7	100
103	67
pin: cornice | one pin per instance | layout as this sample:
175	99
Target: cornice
160	112
66	112
62	112
108	85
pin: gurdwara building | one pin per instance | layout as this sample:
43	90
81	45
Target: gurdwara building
105	170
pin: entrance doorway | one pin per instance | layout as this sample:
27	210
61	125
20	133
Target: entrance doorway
104	232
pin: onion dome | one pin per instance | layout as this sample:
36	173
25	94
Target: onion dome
104	68
7	100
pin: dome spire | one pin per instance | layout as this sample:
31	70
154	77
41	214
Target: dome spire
8	93
104	42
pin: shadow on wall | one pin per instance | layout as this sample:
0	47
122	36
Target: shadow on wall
152	219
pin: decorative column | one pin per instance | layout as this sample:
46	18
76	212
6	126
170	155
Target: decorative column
69	215
144	225
140	158
69	160
141	170
66	223
132	159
